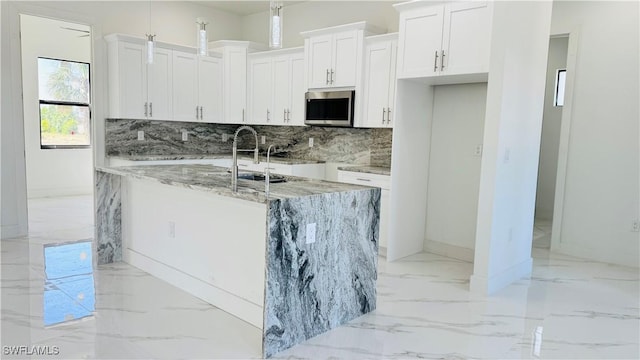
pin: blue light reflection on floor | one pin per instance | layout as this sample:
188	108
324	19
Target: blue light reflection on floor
69	290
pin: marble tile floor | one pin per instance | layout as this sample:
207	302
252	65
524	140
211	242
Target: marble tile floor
569	309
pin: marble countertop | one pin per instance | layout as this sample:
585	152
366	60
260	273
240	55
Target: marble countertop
217	180
263	158
367	169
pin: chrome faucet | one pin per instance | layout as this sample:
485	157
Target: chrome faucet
234	166
267	173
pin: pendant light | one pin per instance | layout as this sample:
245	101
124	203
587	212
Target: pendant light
202	36
275	24
150	40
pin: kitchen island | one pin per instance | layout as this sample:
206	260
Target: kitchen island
295	263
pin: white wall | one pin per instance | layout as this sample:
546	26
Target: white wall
513	122
51	172
311	15
550	131
454	170
601	196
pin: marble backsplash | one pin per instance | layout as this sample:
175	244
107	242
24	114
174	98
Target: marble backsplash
347	145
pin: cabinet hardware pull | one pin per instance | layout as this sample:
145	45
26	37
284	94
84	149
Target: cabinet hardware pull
146	113
361	179
150	109
332	72
288	115
284	115
197	115
383	113
242	165
327	77
268	113
242	115
442	61
388	115
201	113
435	62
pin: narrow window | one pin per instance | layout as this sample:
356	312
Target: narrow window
65	109
561	76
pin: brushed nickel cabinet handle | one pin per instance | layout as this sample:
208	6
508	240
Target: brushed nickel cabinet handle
332	72
435	62
201	113
361	179
388	115
150	109
146	112
327	77
383	114
442	61
268	115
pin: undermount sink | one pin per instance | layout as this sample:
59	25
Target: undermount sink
260	177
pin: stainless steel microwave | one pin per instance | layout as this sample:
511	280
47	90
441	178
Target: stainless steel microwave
329	108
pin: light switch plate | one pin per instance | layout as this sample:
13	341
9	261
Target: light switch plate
225	137
311	233
140	135
310	142
263	139
185	135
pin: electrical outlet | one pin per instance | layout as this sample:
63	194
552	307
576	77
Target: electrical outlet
225	137
310	142
140	135
263	139
185	135
478	150
311	233
635	226
172	229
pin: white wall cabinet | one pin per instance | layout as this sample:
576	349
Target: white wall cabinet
375	180
136	89
197	87
379	81
334	55
450	39
234	78
276	87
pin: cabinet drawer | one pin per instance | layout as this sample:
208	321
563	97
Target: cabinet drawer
366	179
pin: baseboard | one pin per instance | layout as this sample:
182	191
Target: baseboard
583	251
234	305
483	285
12	231
448	250
59	192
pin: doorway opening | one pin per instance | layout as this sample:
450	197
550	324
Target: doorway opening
550	141
56	60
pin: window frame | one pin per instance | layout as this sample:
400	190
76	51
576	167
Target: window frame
66	103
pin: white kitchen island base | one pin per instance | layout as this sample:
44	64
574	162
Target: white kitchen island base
295	265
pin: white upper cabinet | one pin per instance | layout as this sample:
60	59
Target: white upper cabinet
276	87
138	90
197	87
444	40
185	86
210	89
379	81
334	55
234	78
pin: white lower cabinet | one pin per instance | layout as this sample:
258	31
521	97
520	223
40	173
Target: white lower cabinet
375	180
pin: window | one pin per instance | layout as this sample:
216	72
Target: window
65	112
561	76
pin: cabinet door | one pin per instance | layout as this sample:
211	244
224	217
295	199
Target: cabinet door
235	85
295	116
281	89
420	41
466	37
320	60
344	59
133	81
377	81
210	88
160	85
185	86
260	87
392	84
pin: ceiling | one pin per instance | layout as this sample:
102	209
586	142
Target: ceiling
241	7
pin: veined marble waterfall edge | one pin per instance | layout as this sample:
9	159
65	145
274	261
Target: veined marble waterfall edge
314	287
108	218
